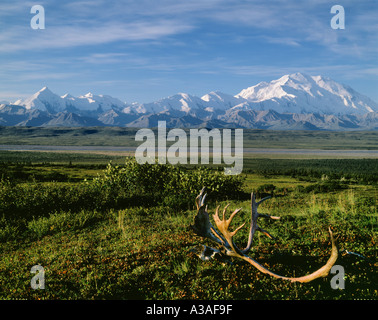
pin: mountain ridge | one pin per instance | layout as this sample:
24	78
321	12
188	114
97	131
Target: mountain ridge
292	101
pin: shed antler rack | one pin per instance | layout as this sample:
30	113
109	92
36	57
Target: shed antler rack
227	247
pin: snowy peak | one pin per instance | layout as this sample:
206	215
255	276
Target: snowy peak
217	100
44	100
283	87
67	96
92	102
302	93
294	93
45	93
182	102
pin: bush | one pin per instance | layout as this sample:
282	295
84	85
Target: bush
35	199
8	231
266	189
326	186
168	185
118	187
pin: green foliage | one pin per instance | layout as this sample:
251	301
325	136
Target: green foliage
169	185
321	187
353	170
14	160
117	136
36	206
36	199
8	230
267	188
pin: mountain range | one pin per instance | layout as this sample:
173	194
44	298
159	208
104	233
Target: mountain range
293	102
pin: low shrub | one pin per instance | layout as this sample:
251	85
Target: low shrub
168	185
118	187
38	199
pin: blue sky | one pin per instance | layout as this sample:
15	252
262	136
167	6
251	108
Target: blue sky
144	50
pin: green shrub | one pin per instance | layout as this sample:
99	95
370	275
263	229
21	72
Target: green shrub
168	185
118	187
35	199
325	186
8	231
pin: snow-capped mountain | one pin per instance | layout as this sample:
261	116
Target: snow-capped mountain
45	100
293	101
93	102
221	101
179	102
301	93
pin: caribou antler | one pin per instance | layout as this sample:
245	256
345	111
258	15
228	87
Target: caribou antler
224	237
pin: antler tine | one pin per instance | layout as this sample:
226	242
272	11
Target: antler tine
262	200
200	199
202	225
266	233
254	226
223	226
265	215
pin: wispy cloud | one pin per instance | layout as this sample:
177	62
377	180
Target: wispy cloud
129	42
74	36
85	23
104	58
289	41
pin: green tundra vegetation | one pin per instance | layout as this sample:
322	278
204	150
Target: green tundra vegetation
105	227
253	138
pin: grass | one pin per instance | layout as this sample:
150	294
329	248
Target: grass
93	250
